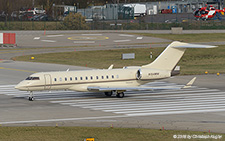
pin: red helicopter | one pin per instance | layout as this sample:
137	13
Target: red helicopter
210	12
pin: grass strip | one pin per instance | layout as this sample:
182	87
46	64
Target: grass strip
98	133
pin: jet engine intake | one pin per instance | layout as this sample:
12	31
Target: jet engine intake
146	74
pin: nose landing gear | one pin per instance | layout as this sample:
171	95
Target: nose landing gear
31	98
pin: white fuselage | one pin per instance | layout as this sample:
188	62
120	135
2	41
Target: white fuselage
81	80
109	80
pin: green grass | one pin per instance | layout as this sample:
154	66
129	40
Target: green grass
194	61
98	133
197	61
212	37
95	59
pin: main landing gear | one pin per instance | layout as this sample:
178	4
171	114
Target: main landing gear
118	94
109	93
31	98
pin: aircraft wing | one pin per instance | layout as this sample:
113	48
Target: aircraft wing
114	88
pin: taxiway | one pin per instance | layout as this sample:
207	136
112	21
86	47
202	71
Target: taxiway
199	108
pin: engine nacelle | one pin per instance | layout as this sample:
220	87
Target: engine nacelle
146	74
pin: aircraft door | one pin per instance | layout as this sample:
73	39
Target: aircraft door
48	81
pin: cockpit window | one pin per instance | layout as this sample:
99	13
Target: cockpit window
28	78
32	78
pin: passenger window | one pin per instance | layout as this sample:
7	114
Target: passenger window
117	76
96	77
112	76
107	77
91	77
75	78
71	78
102	77
86	78
55	79
65	79
60	79
81	78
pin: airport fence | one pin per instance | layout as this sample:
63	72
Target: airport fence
133	24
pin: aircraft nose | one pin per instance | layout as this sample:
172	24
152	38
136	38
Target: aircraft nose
17	86
21	87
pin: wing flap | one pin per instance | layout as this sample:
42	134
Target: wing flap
105	89
141	88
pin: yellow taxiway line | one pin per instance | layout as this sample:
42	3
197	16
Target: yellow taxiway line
17	70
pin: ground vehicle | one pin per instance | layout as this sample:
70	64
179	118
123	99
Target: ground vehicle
139	9
35	18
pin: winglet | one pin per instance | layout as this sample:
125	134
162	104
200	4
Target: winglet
188	85
110	67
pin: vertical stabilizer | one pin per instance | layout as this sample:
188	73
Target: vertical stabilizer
169	58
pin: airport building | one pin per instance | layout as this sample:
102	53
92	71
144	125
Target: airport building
128	11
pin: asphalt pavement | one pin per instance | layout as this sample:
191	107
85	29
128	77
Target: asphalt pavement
200	108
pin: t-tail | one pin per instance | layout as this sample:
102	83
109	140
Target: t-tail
169	58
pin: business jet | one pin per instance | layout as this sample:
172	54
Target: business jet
111	80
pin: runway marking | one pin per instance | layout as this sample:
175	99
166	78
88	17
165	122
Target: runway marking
91	34
147	107
118	41
135	105
54	35
8	86
36	38
176	112
50	41
139	38
87	38
91	100
126	35
183	107
147	103
84	42
17	70
110	117
64	119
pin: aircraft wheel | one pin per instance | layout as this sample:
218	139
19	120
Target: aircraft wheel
108	93
31	98
120	95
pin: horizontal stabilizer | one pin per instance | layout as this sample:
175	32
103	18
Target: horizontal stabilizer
187	45
190	83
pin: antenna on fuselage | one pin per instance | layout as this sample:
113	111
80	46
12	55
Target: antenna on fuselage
68	69
110	67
